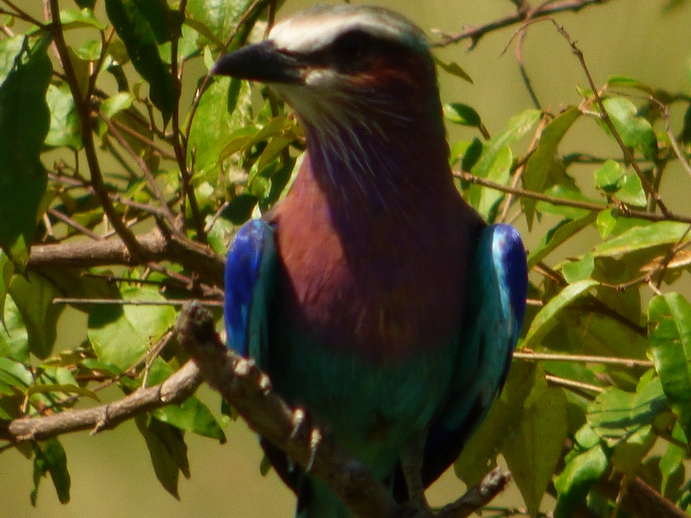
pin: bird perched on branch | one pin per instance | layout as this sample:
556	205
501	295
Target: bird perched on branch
372	294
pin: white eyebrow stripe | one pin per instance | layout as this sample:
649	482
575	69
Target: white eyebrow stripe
311	32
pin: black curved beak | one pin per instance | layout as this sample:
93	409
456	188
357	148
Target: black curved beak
260	62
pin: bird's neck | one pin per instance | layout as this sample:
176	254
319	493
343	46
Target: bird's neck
366	169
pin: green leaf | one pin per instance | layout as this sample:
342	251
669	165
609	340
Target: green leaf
64	121
498	171
556	236
121	335
533	449
480	454
609	178
116	103
66	389
632	191
78	18
671	461
132	21
546	319
10	49
578	270
50	458
635	131
24	124
669	327
629	454
217	118
580	473
642	237
616	414
462	114
14	338
167	450
218	17
191	415
34	296
454	69
543	158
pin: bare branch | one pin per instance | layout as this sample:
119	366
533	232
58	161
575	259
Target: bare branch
555	200
154	246
175	389
474	34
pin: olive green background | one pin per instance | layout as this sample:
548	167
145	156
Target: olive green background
111	472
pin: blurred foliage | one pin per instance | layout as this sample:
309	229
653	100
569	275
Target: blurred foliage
602	387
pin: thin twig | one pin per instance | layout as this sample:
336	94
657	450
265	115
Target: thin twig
474	34
571	384
133	302
594	207
604	116
580	358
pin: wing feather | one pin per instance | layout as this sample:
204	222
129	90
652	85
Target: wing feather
249	283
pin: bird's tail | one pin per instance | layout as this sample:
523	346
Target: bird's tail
316	500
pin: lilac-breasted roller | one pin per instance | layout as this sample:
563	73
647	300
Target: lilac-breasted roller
372	294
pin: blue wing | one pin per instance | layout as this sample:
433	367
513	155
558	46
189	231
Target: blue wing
495	305
249	282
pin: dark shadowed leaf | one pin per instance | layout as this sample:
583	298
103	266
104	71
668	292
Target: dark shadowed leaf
533	448
167	450
34	296
134	28
50	458
24	123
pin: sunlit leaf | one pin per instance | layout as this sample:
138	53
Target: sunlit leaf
641	237
635	131
538	166
616	414
546	318
64	122
122	334
669	328
580	473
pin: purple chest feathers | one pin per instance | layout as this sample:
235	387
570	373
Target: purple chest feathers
380	286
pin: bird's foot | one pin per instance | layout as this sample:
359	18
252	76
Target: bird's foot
315	435
411	465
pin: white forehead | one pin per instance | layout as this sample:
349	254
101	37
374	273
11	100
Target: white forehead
317	27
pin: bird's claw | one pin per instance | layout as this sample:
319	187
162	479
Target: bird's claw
299	420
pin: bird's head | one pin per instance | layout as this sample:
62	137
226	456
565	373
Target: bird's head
361	80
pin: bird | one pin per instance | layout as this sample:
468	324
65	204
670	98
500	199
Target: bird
372	294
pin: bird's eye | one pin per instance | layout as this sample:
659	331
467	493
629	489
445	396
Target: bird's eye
351	46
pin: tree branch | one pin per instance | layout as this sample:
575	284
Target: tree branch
154	247
174	390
